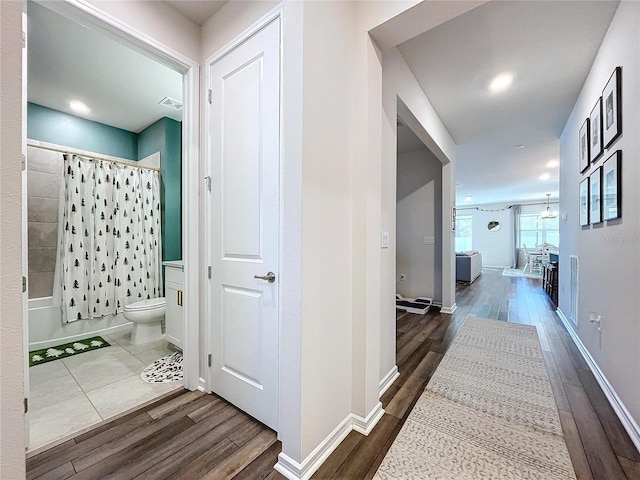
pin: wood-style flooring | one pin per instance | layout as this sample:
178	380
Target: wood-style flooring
190	435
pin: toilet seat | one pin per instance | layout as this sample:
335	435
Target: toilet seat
143	305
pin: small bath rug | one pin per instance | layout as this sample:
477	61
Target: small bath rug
165	370
45	355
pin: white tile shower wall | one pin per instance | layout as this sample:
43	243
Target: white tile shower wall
44	177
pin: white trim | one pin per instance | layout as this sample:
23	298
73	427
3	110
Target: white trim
191	225
365	425
388	380
303	471
630	425
246	34
449	310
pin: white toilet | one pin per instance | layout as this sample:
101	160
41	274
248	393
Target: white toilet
147	316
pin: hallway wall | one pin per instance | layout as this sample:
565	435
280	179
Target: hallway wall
419	215
609	272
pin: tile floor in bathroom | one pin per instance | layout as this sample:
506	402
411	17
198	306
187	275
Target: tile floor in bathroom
70	394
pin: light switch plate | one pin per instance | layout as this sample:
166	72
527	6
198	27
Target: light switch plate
384	242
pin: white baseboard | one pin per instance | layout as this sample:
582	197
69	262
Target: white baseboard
303	471
366	424
388	380
449	310
293	470
630	425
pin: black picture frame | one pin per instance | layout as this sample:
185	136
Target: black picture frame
612	108
595	196
595	132
583	146
612	187
584	202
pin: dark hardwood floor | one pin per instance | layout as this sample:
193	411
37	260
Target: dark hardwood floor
192	436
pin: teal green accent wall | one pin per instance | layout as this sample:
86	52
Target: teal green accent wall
165	136
52	126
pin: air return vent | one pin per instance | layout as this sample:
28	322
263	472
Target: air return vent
171	103
573	265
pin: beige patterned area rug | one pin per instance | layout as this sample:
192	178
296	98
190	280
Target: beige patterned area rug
487	413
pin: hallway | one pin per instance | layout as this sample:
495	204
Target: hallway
192	434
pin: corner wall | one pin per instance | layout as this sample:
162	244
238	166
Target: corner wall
609	271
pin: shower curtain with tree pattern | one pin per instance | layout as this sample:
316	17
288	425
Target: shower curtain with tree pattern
110	248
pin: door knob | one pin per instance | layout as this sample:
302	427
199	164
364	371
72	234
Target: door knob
269	277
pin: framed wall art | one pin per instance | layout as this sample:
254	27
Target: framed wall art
612	106
595	131
584	202
612	187
595	194
583	138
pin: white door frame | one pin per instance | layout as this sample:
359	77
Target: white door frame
81	10
208	233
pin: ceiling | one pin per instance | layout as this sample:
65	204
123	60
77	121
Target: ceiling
549	48
197	11
122	87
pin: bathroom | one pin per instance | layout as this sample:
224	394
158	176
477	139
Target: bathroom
126	120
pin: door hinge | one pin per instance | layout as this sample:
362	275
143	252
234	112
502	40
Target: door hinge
209	271
207	180
23	159
210	96
24	284
209	359
26	405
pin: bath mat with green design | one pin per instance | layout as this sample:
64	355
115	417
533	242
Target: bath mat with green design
66	350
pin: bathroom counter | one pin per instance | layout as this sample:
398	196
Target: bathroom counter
174	264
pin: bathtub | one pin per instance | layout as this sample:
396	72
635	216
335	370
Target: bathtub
47	330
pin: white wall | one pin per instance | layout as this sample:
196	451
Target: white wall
12	440
158	21
496	247
609	256
326	217
419	215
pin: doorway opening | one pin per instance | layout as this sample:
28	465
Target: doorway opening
106	230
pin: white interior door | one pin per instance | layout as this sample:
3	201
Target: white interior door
245	153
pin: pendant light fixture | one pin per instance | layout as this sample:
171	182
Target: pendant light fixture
548	213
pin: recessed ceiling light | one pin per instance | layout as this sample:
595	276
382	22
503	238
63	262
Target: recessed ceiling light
468	198
518	147
552	163
501	82
79	107
544	176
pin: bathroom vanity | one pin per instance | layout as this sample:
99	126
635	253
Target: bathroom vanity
174	287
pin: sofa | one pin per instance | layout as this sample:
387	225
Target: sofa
468	266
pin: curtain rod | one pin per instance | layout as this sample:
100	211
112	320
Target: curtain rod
76	151
509	206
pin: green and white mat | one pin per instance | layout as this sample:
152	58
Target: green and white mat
45	355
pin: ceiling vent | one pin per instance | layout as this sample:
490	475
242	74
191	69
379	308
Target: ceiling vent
171	103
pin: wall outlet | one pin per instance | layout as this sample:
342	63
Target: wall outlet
403	277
